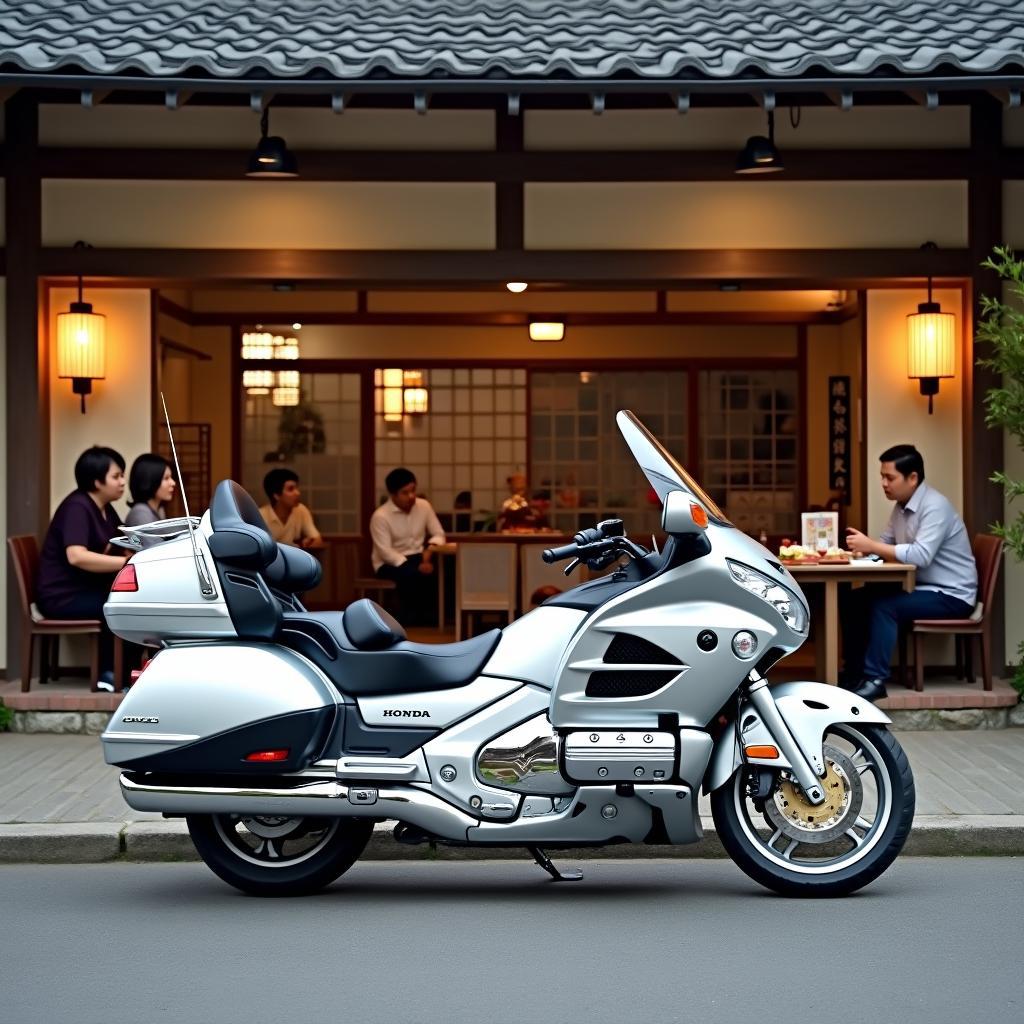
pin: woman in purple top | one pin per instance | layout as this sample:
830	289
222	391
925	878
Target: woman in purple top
76	566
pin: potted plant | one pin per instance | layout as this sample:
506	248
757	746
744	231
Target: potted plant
1002	326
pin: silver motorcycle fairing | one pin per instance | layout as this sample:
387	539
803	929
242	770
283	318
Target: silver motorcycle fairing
532	646
196	691
456	750
671	609
168	602
808	709
435	709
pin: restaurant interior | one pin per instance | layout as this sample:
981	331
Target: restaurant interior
487	391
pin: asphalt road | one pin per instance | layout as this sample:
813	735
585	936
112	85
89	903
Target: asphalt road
655	941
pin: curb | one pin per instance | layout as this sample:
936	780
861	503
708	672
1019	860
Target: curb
155	841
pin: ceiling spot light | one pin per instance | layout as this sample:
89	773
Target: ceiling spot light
271	158
517	287
296	327
759	155
546	330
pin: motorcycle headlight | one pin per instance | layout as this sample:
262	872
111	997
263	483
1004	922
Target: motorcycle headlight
784	601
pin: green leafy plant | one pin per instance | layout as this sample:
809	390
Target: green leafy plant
6	717
1002	327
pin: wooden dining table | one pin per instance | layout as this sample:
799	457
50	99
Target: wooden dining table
859	570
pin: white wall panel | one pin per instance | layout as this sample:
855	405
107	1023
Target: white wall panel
269	214
745	214
863	127
118	411
239	127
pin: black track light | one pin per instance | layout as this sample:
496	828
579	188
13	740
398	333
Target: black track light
271	157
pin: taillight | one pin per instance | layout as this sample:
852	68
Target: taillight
125	581
268	755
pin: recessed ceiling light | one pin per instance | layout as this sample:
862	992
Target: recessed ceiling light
546	330
517	286
296	327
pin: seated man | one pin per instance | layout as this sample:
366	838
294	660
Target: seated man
924	530
288	520
400	528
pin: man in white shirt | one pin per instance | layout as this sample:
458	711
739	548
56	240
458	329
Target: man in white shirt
404	530
287	519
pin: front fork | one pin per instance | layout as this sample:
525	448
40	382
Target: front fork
760	696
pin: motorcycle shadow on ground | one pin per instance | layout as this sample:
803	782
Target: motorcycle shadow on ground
427	882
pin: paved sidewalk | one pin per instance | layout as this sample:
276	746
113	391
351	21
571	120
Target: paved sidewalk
59	803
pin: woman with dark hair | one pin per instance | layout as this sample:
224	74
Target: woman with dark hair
76	563
152	484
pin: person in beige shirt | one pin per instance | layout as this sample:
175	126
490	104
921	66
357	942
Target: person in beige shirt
287	519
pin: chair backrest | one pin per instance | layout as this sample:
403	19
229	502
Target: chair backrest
24	551
486	576
988	556
534	573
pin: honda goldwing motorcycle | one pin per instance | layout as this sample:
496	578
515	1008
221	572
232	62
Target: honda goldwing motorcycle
282	735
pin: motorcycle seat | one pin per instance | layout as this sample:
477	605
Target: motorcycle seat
364	652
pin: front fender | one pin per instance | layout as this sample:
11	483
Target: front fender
808	709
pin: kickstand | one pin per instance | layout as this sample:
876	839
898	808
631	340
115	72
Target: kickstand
572	875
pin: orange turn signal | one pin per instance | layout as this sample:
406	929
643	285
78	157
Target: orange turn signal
700	516
766	752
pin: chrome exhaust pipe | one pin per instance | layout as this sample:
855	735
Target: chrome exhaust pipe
322	798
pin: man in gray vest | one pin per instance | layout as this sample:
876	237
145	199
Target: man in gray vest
925	531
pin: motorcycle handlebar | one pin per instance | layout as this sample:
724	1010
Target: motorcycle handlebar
558	554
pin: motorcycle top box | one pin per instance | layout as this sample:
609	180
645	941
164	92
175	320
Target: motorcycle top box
282	735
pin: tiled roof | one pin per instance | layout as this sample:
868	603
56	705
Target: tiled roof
349	39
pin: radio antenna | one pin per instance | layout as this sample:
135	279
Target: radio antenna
205	583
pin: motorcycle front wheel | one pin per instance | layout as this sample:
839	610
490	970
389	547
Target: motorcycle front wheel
268	855
800	849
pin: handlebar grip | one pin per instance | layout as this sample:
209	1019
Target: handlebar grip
557	554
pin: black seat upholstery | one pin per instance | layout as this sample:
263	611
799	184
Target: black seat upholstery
370	627
400	667
293	570
240	537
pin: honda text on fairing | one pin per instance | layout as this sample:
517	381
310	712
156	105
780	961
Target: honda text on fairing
282	735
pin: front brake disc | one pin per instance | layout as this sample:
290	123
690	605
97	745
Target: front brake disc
796	817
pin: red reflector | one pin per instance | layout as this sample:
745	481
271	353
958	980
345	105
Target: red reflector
125	580
268	755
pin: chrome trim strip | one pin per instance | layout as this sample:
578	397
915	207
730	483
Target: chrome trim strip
148	737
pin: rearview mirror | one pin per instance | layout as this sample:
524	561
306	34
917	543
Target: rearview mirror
681	514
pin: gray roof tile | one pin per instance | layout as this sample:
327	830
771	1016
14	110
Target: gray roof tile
585	38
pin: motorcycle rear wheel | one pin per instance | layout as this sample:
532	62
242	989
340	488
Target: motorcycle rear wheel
797	849
276	855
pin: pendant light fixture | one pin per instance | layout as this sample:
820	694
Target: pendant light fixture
81	344
931	343
271	158
759	155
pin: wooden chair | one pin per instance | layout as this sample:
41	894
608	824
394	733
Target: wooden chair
24	551
485	580
988	556
364	582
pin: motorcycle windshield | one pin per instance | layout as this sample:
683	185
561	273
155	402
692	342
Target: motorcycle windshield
661	468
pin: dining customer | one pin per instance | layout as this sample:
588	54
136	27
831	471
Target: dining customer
76	563
404	530
152	485
925	531
287	519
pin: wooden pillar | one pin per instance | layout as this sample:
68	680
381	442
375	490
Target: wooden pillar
983	448
508	195
27	487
